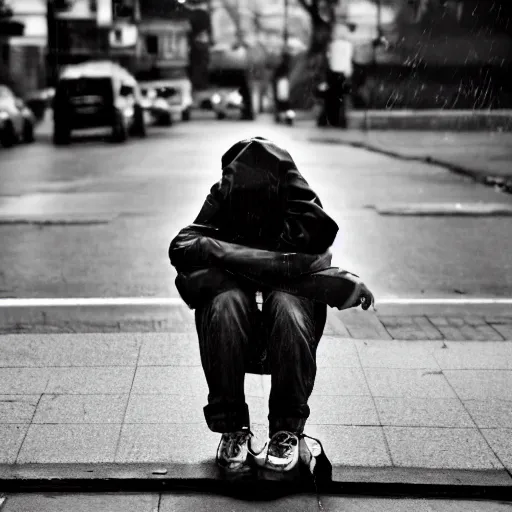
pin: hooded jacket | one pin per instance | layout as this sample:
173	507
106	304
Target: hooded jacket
261	226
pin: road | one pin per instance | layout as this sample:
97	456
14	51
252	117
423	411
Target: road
184	502
110	211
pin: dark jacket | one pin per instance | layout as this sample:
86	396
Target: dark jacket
263	227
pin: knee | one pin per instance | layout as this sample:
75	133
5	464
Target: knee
288	310
230	303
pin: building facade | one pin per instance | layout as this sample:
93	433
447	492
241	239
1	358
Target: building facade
149	38
163	46
23	52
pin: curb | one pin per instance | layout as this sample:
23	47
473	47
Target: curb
423	120
205	477
503	184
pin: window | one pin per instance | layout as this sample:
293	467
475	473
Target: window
152	44
118	35
126	90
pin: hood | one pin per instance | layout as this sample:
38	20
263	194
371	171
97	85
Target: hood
263	201
253	176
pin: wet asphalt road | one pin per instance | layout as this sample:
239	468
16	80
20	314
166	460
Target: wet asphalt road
130	200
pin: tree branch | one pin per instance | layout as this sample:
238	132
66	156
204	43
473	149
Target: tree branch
310	7
234	14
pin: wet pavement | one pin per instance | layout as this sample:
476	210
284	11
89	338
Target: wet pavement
95	219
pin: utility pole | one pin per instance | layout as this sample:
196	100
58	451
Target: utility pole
375	44
285	29
209	6
239	32
286	38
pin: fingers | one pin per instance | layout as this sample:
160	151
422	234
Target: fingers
366	299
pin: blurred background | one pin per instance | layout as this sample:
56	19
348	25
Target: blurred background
406	54
385	98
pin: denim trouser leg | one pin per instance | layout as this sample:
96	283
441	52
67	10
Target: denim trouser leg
294	327
225	327
228	328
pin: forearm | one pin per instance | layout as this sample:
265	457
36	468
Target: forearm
240	258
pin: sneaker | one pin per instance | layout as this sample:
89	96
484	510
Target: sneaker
233	450
282	451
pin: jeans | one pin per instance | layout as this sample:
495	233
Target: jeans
231	330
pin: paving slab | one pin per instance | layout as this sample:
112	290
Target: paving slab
351	445
464	328
343	410
386	382
17	408
182	380
70	443
422	412
500	440
334	326
476	355
186	380
339	381
24	381
505	330
481	384
410	328
104	502
48	350
337	353
362	324
183	502
440	448
64	409
399	354
91	380
490	413
166	349
157	443
12	436
368	504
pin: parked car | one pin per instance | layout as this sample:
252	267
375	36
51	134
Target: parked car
156	108
16	120
226	102
40	101
172	94
97	94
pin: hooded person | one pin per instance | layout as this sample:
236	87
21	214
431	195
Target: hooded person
261	229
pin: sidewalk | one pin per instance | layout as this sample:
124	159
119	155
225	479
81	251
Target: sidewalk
486	157
126	408
484	154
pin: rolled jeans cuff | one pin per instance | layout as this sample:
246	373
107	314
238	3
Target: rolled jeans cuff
224	418
290	419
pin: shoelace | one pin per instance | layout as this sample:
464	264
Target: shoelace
283	443
235	440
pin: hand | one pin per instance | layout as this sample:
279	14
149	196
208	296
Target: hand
366	298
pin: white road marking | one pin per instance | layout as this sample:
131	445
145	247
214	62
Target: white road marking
176	301
446	301
91	301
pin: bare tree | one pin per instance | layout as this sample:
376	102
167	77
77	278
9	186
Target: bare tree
5	10
323	17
